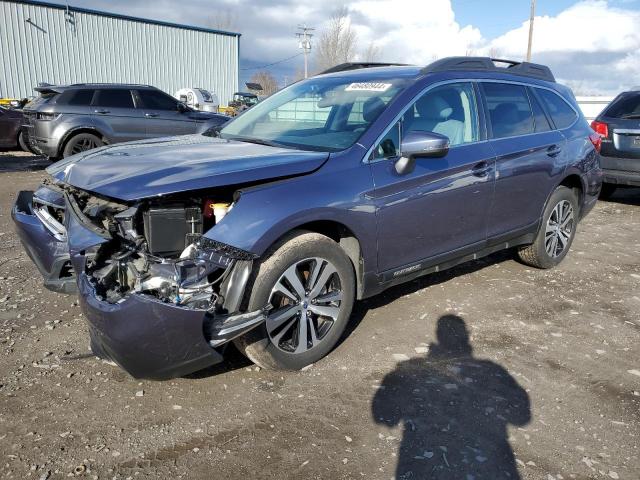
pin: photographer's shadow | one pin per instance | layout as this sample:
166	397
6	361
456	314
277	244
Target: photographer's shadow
454	410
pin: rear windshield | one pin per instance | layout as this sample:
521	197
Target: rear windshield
42	99
625	106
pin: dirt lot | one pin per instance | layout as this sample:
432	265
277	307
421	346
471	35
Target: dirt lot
492	370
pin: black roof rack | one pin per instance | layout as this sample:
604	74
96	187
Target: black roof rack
343	67
475	64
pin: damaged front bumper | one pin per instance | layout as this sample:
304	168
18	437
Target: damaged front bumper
152	339
147	336
44	242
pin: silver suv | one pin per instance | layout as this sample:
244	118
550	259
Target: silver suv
68	119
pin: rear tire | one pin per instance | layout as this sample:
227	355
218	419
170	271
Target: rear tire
22	142
81	142
557	230
322	299
608	189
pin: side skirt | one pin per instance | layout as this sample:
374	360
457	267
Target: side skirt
377	283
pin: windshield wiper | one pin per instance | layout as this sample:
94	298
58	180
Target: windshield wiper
631	115
259	141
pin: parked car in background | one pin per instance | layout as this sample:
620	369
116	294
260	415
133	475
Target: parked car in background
198	99
12	133
619	127
267	231
69	119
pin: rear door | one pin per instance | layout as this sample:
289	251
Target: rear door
114	111
623	141
529	157
163	115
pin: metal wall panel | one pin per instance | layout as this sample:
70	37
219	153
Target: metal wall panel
46	44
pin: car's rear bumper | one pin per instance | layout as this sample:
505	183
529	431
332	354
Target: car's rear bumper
50	255
621	171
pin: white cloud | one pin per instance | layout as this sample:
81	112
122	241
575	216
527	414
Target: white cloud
413	31
591	46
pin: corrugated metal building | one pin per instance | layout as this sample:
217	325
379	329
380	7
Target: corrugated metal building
44	42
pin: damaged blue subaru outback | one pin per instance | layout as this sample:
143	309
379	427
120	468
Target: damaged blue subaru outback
265	232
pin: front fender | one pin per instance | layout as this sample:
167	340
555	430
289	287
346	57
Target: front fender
265	213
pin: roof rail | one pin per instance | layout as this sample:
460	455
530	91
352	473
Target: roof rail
343	67
467	64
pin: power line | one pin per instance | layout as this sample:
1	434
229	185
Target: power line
274	63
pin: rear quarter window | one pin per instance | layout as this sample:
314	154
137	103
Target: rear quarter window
562	114
626	105
81	97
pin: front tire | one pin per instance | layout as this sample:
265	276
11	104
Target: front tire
81	142
309	282
558	228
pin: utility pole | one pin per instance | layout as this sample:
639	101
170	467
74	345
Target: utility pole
531	17
304	42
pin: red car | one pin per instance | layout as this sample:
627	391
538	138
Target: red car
11	132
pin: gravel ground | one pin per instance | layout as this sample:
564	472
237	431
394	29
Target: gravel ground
492	370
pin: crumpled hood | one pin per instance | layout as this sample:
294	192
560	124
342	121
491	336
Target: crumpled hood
136	170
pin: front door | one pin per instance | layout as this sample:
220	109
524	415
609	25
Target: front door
440	209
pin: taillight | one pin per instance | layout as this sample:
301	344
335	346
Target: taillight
600	128
596	139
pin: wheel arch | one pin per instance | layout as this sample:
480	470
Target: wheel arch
573	181
77	131
344	237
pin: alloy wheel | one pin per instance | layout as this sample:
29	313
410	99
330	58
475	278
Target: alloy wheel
305	302
83	144
559	229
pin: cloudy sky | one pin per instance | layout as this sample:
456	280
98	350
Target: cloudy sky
592	45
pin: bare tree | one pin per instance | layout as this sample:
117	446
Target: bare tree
267	81
337	43
372	53
225	20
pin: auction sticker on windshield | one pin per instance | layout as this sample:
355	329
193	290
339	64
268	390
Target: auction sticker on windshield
368	87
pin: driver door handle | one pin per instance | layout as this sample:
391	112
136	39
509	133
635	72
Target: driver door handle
481	169
101	111
150	115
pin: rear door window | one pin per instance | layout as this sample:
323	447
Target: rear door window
626	105
155	100
562	114
509	109
113	98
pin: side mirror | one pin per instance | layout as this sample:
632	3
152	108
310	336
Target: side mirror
182	108
420	145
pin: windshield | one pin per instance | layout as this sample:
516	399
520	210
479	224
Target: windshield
322	113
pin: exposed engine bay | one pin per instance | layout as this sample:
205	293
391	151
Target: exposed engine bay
159	250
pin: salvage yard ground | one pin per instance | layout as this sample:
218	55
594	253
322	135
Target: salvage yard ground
545	386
